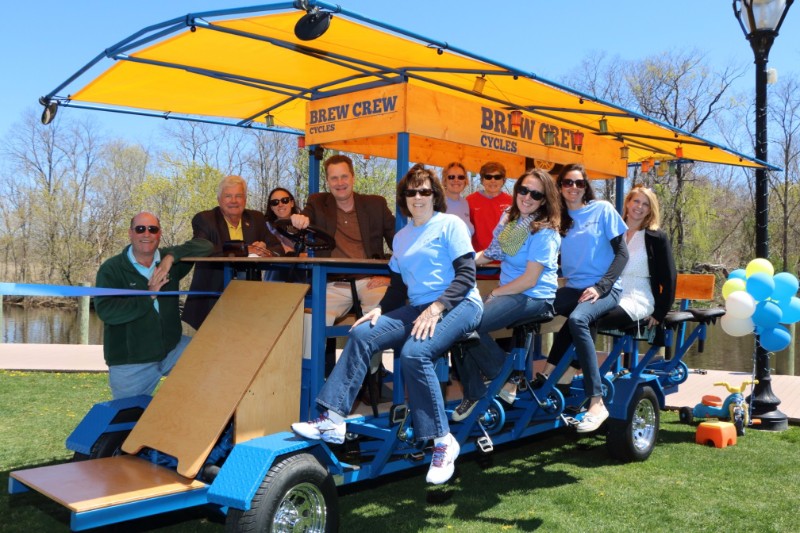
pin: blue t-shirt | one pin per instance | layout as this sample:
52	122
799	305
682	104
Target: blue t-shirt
541	247
586	251
424	255
460	208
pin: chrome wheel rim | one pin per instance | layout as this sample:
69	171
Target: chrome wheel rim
302	509
643	425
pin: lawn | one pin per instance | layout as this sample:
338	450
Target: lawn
558	483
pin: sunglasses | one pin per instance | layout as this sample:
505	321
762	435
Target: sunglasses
567	183
141	229
536	195
493	177
412	193
276	201
452	177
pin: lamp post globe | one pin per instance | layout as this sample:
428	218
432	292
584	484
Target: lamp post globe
760	21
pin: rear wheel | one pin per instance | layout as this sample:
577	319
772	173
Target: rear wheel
686	415
106	445
297	494
634	438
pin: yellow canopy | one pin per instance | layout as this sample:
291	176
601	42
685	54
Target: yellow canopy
240	70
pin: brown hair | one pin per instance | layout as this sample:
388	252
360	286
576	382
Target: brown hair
339	158
415	177
270	214
588	194
549	212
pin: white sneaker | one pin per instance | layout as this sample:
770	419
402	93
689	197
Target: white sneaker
591	422
443	462
321	428
509	392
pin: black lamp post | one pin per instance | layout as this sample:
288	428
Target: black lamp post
760	21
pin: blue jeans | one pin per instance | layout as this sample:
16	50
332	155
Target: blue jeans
580	319
393	330
498	312
142	378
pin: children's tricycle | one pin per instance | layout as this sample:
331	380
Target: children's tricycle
733	408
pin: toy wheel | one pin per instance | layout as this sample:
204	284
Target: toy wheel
739	419
494	417
310	238
686	415
297	494
679	374
633	439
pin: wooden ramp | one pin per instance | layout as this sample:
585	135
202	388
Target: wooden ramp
244	362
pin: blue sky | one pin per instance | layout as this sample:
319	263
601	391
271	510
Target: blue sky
45	42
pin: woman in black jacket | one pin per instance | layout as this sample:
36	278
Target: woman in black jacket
648	280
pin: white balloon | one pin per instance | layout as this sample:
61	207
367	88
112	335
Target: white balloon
740	304
737	327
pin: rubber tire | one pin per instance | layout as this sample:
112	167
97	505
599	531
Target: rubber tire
295	473
106	445
686	415
635	438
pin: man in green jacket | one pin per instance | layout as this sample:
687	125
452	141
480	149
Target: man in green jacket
142	337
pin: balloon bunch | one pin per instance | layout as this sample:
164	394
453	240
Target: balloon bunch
756	300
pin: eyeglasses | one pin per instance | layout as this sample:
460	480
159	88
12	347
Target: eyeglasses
141	229
456	177
493	177
412	193
536	195
276	201
567	183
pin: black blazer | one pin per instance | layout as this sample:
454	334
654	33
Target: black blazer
211	225
663	275
375	221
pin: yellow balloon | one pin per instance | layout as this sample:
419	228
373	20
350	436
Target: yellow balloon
759	265
733	285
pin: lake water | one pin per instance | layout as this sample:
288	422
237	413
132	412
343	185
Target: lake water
59	326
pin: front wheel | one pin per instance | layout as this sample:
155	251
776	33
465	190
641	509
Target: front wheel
634	438
297	494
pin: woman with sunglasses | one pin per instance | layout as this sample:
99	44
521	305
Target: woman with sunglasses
649	278
593	255
433	266
281	205
454	181
526	242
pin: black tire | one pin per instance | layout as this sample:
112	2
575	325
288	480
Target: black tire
297	494
633	439
686	415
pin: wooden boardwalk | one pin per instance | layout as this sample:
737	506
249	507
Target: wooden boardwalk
89	358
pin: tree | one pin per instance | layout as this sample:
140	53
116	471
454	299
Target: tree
784	116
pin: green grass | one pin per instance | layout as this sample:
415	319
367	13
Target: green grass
557	483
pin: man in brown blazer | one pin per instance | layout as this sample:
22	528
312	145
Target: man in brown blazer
360	224
229	221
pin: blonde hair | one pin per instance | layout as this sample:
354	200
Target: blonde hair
653	219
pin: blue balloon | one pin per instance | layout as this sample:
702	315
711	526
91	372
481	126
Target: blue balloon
767	315
760	286
786	286
775	339
739	273
791	310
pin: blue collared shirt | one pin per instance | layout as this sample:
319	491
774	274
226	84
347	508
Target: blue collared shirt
147	272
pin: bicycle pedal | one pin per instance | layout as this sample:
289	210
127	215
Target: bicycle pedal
485	444
416	456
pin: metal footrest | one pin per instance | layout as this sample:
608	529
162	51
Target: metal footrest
485	444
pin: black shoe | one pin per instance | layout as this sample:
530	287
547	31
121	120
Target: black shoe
463	410
539	381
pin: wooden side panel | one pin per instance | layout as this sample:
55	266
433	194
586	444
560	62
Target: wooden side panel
695	287
89	485
272	402
195	403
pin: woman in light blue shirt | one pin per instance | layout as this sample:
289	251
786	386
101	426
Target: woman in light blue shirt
593	255
526	242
